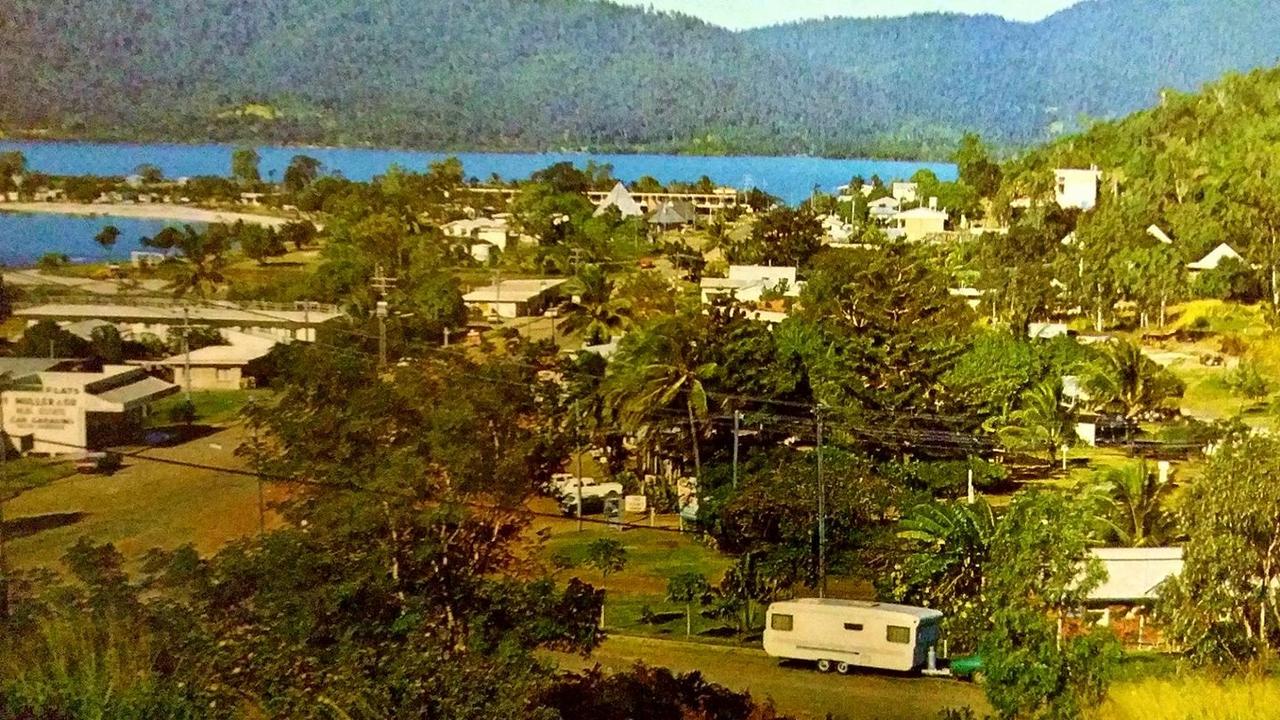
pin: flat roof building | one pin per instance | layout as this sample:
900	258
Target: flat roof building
514	298
283	324
59	412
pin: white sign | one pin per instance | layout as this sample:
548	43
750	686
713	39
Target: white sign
636	503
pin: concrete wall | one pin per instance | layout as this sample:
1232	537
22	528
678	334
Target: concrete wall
209	378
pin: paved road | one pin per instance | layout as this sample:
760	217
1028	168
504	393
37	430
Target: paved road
796	690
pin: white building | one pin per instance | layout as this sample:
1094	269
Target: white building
1076	188
60	412
300	323
749	283
905	192
493	230
619	197
217	367
920	223
514	298
1134	575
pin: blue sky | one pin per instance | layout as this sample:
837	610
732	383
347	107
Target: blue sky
738	14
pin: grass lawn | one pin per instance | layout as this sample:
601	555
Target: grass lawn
17	475
213	407
142	505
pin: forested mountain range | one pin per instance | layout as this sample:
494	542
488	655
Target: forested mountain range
540	74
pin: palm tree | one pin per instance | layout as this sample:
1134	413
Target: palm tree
660	371
1130	506
952	540
1129	383
204	254
597	311
1044	421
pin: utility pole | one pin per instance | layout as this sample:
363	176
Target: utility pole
383	285
737	417
4	489
186	350
577	413
822	514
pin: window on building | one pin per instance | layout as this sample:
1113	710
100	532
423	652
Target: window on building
898	634
856	627
223	373
782	622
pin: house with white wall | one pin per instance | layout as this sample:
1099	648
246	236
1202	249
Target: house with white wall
1076	189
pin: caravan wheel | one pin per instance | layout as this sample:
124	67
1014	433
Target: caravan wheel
843	668
824	666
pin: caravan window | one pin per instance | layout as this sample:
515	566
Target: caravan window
781	622
857	627
898	634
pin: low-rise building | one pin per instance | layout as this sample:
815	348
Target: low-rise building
1076	188
619	197
920	223
1134	575
58	412
514	298
905	192
217	367
493	230
749	283
299	322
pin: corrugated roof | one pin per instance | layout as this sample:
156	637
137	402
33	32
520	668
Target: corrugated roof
513	290
144	390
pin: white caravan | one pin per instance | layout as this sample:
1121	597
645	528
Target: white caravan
842	634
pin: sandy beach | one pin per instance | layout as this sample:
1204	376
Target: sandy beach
148	211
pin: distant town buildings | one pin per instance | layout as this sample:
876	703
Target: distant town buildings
905	192
619	197
1215	258
749	283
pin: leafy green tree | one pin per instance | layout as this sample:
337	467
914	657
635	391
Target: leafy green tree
782	236
204	254
1043	421
1036	571
150	174
1224	606
12	162
183	413
107	344
299	234
47	339
244	165
1132	506
976	168
606	556
1248	382
259	243
688	588
107	236
301	172
598	312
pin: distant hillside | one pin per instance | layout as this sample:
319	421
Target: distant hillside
540	74
1205	167
1018	82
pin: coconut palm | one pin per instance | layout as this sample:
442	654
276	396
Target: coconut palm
1044	420
597	311
1130	504
1126	382
660	371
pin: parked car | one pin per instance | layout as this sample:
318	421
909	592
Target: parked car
594	498
98	462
